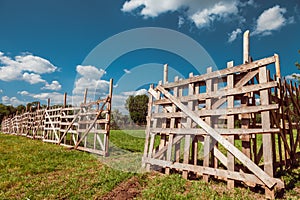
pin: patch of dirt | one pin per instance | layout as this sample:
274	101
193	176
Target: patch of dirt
126	190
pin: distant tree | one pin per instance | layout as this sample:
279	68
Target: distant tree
6	111
33	105
20	108
137	107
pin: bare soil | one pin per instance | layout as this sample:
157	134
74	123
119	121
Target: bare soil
126	190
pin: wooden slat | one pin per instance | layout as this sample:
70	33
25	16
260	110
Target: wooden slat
221	111
229	131
230	125
241	89
244	177
240	68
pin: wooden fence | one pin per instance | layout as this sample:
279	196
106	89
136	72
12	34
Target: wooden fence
84	128
238	124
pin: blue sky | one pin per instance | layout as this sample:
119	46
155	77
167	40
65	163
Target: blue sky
51	47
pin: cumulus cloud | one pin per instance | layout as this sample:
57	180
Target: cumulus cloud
90	78
218	11
152	8
25	67
270	20
135	93
14	68
201	13
234	35
32	78
55	85
1	91
14	101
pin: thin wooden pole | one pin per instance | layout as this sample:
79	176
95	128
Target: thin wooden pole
246	47
277	66
85	96
230	125
65	99
165	73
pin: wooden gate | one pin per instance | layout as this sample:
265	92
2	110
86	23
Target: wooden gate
223	113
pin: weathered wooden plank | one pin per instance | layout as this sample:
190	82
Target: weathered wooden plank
267	138
240	68
221	111
149	116
207	138
230	125
225	132
225	143
224	92
244	177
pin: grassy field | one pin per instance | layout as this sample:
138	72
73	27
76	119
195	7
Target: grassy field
31	169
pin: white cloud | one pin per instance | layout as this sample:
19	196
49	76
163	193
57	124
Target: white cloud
270	20
14	101
1	91
23	93
89	78
201	13
25	67
234	34
218	11
90	72
33	78
55	85
293	76
152	8
135	93
35	64
127	71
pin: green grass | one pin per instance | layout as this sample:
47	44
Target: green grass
35	170
133	140
31	169
175	187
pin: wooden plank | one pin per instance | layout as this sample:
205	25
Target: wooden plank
147	131
267	138
225	143
221	111
207	139
244	177
224	92
240	68
187	139
230	125
152	139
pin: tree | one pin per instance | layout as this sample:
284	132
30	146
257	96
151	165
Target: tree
138	108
